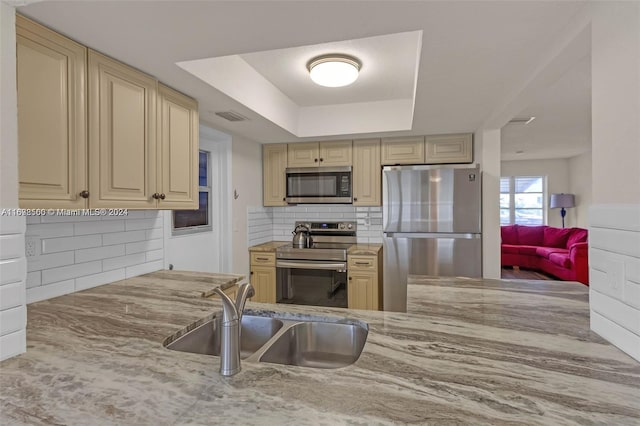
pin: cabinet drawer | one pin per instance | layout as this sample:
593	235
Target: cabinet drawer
363	263
261	258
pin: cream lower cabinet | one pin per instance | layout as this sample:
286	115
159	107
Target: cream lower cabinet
177	180
323	154
52	124
406	150
364	289
274	164
367	174
263	276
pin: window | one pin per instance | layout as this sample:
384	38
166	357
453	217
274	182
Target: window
190	221
522	200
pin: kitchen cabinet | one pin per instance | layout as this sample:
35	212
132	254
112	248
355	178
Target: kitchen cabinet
52	124
263	276
274	164
364	289
177	137
323	154
122	135
406	150
367	173
454	148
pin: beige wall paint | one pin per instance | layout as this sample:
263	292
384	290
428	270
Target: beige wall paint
9	117
580	184
487	153
247	181
557	173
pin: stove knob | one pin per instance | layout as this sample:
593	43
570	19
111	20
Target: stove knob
349	226
341	226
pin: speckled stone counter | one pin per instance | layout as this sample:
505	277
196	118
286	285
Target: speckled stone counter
364	249
271	246
467	352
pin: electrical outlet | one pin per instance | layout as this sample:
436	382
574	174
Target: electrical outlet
31	245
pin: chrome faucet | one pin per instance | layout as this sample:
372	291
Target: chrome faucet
231	321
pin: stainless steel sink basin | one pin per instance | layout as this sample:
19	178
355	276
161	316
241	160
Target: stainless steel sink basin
318	345
205	339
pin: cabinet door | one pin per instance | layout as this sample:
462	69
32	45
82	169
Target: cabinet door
336	153
303	154
263	280
456	148
367	174
178	150
274	164
52	141
122	135
362	290
403	150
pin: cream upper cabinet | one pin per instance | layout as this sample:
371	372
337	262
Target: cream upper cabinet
178	150
367	173
323	154
454	148
274	164
51	82
122	134
406	150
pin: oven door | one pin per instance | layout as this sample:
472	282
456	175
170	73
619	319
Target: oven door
319	185
307	282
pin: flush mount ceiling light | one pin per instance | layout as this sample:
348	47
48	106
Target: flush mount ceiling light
334	70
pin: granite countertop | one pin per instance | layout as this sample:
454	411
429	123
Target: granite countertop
364	249
271	246
467	352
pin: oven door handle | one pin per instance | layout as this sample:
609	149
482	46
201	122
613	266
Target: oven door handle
296	264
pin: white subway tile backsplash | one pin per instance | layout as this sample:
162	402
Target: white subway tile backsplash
124	237
144	268
95	280
155	255
34	279
72	271
12	295
616	334
12	225
144	246
123	261
148	223
84	228
48	231
49	291
153	234
33	220
47	261
622	314
54	245
104	252
12	320
12	344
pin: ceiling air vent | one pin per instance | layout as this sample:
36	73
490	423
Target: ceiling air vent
521	120
231	116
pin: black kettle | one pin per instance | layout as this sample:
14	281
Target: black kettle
301	237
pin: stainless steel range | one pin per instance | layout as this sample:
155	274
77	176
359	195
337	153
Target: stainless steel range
316	275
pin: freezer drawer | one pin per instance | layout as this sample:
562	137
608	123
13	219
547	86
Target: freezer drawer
453	256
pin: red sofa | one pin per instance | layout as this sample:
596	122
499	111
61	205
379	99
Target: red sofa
561	252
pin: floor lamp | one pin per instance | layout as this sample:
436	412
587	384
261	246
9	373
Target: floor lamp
562	201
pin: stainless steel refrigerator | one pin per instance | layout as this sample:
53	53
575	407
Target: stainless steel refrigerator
432	226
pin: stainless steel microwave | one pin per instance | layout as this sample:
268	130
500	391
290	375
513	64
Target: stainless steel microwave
330	185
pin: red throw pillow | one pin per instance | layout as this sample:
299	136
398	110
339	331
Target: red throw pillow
578	235
531	235
556	237
509	234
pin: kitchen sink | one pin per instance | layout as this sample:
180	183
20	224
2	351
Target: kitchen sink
255	331
318	345
305	343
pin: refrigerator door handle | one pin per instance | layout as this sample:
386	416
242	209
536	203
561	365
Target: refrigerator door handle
467	236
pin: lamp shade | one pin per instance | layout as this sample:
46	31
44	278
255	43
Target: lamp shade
558	201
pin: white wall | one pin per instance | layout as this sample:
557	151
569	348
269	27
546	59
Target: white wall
614	255
580	184
13	313
69	254
487	153
206	251
557	173
247	183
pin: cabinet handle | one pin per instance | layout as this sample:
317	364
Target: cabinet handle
284	199
350	278
251	273
262	258
355	198
315	160
162	196
84	194
363	263
322	159
155	196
